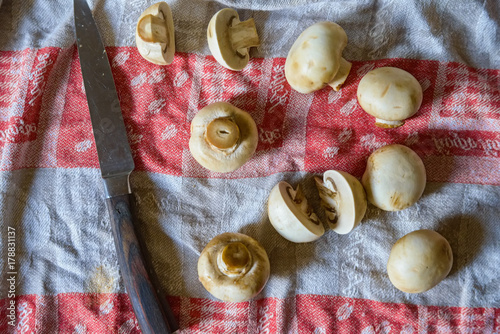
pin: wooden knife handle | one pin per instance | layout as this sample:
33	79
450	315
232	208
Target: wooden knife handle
146	302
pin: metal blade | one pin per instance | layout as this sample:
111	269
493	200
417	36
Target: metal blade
113	149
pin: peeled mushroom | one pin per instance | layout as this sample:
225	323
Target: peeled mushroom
233	267
390	94
154	35
229	39
315	59
223	137
394	178
344	200
291	215
419	261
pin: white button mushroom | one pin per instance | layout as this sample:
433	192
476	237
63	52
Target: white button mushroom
223	137
291	215
315	59
419	261
390	94
344	200
229	39
233	267
154	34
394	178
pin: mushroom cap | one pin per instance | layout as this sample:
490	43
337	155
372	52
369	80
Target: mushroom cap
419	261
222	160
237	287
344	200
389	94
291	216
394	178
160	53
219	41
315	57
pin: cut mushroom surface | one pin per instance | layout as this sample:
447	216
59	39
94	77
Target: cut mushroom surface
419	261
315	59
390	94
223	137
291	216
154	36
394	178
229	39
344	200
233	267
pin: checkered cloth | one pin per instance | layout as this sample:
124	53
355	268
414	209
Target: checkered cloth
67	279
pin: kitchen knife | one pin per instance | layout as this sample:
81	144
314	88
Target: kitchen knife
115	159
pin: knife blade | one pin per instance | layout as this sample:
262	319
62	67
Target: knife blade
116	163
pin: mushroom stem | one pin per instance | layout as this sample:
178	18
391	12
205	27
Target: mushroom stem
341	76
222	134
153	29
300	200
388	124
234	259
243	35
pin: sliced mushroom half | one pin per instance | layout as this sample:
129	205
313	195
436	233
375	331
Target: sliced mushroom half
223	137
291	215
154	35
344	200
315	59
229	39
233	267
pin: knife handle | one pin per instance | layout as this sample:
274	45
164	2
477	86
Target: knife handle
147	304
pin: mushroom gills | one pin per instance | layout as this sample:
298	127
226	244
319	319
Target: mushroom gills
328	194
301	202
343	199
381	123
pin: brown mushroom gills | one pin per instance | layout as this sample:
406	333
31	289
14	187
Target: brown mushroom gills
234	259
153	29
222	133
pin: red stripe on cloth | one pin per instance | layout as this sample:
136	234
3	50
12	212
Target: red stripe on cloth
458	124
112	313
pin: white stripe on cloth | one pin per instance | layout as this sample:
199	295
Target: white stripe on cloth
465	32
64	243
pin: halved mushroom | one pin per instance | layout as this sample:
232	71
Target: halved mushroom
390	94
343	198
233	267
291	215
394	178
154	35
229	39
223	137
315	59
419	261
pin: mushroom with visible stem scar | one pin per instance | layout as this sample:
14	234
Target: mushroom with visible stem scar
223	137
291	215
154	34
390	94
343	198
315	59
229	39
233	267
